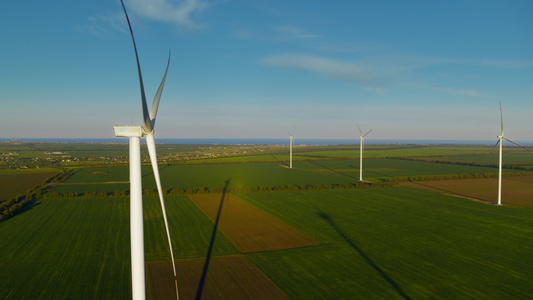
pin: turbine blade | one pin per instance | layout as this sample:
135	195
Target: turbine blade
501	116
495	146
514	142
368	132
155	104
150	143
146	116
361	132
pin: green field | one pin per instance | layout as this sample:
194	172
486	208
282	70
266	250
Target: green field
261	174
79	248
381	151
397	243
84	150
380	243
524	159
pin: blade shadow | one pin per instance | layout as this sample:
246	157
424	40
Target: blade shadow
374	172
452	192
152	172
277	159
211	244
369	261
328	168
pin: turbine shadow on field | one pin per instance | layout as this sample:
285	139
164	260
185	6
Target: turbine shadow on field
211	244
152	173
452	192
370	262
376	172
338	172
280	160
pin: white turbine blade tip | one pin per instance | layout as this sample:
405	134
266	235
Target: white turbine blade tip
509	140
494	146
368	132
155	103
360	132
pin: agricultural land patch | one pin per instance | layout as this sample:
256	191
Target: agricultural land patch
227	277
14	184
250	229
516	191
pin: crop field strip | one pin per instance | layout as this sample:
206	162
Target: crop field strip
515	158
14	184
228	277
516	191
66	248
381	169
249	229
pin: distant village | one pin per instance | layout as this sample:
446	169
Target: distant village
29	155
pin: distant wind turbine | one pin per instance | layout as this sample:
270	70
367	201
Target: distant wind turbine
500	140
291	139
134	133
362	145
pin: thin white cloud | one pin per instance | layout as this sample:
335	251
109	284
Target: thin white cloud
507	64
337	69
105	25
176	12
454	91
295	32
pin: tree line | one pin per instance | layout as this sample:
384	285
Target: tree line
453	177
22	202
217	190
470	164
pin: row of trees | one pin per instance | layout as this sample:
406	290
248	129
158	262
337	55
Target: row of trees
470	164
208	190
452	177
20	203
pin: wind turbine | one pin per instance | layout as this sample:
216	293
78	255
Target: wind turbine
500	140
362	145
291	139
134	133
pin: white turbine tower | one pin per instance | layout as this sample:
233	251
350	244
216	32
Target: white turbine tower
362	145
500	140
291	141
134	133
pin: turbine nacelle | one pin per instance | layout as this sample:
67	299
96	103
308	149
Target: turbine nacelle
362	136
129	131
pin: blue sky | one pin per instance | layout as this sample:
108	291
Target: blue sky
258	69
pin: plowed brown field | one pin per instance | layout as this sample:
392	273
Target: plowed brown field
516	191
248	228
11	185
228	277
